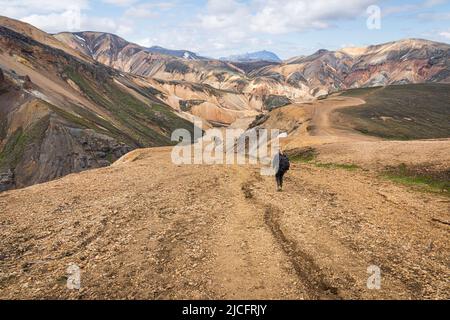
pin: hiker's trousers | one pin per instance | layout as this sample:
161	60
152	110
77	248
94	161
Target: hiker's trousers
279	178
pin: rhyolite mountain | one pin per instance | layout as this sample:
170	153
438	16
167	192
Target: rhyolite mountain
217	91
401	62
298	79
74	101
62	113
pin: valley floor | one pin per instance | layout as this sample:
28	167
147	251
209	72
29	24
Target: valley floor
149	229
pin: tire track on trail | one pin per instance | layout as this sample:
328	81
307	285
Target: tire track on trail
248	262
306	269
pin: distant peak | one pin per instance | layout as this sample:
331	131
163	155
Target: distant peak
322	51
262	55
185	54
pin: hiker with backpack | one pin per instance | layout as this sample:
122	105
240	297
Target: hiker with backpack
281	165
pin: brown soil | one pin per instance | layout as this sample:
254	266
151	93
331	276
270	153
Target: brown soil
314	125
146	228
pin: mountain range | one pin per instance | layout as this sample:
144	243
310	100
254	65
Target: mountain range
74	101
62	112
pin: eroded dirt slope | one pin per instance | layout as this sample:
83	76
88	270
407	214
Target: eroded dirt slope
318	125
146	228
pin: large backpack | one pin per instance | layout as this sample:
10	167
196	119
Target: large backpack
284	163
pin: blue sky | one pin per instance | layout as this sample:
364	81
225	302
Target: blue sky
218	28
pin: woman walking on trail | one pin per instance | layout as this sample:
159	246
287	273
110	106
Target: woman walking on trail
281	165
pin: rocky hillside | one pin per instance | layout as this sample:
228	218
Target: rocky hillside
407	112
116	52
209	82
298	79
232	77
401	62
63	113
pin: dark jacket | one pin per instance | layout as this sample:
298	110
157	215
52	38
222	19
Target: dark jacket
281	163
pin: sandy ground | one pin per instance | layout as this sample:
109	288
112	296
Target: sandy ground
146	228
433	154
314	120
311	125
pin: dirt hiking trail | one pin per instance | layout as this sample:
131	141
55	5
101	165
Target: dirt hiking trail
149	229
145	228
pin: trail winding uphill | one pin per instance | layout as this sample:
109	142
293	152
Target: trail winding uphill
319	125
321	115
146	228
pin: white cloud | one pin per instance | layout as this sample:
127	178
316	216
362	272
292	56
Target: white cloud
224	6
20	8
278	17
49	15
434	16
432	3
64	21
120	3
147	10
56	16
218	28
445	34
231	26
426	4
124	30
140	13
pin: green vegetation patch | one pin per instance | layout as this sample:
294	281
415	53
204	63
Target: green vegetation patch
259	120
307	154
17	143
350	167
401	112
186	105
148	125
3	127
275	101
420	178
177	66
360	92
